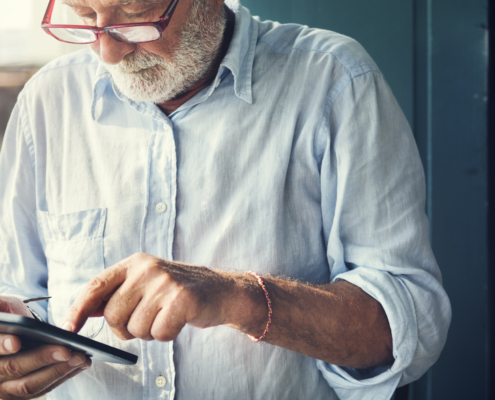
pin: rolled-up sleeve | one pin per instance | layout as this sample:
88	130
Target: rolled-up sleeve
377	233
23	271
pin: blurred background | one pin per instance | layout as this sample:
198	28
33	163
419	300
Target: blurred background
24	48
438	57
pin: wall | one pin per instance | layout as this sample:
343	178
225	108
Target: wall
22	41
434	55
24	47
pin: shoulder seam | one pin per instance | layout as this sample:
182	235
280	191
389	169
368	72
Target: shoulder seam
351	71
335	93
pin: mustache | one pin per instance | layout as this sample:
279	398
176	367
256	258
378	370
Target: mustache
137	61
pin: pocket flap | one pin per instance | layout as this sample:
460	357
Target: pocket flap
80	225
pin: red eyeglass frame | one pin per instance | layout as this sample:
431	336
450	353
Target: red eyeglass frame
160	25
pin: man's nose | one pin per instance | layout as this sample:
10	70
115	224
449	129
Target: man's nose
112	51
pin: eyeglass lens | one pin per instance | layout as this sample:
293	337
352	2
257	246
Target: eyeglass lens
135	34
74	35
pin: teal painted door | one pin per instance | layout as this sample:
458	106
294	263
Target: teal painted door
383	27
434	56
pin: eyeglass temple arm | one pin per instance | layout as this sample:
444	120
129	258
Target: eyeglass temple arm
170	10
48	13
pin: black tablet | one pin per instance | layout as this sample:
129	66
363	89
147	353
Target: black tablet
34	333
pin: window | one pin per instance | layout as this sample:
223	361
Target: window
22	41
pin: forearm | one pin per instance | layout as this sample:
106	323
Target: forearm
337	323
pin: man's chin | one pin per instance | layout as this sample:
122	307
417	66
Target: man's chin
139	89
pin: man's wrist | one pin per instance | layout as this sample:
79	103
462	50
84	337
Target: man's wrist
247	308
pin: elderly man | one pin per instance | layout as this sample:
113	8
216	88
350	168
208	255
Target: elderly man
142	180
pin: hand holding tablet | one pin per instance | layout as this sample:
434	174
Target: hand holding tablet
34	333
30	373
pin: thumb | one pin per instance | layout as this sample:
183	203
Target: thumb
13	305
5	305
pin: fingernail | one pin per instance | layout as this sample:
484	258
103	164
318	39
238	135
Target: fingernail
58	356
67	326
7	343
75	361
86	366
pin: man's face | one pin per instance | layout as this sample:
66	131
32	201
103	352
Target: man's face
161	70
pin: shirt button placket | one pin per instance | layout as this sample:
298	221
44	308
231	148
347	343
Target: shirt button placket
159	227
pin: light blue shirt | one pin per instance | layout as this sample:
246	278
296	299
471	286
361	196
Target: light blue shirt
296	161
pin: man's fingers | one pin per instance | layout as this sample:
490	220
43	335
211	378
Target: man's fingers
17	365
120	308
38	381
72	374
9	344
100	310
5	305
93	295
13	305
167	325
142	318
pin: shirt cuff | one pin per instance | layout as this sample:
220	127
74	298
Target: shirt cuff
351	387
378	382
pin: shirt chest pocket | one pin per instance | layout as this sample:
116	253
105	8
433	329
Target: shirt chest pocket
74	254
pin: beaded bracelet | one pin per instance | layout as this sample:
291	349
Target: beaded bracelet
262	284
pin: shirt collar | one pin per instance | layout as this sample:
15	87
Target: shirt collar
102	79
239	60
240	56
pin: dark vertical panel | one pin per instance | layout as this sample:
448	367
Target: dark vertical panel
491	202
421	78
383	27
459	189
421	389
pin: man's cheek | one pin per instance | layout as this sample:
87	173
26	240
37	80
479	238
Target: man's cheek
95	47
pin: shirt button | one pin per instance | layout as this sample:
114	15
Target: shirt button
161	207
160	381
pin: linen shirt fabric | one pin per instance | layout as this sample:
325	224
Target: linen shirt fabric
296	161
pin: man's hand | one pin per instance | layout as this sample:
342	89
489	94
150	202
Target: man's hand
150	298
32	373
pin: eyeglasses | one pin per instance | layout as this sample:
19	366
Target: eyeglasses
127	33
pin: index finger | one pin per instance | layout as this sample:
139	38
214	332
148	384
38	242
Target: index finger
94	294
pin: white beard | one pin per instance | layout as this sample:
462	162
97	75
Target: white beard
144	76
